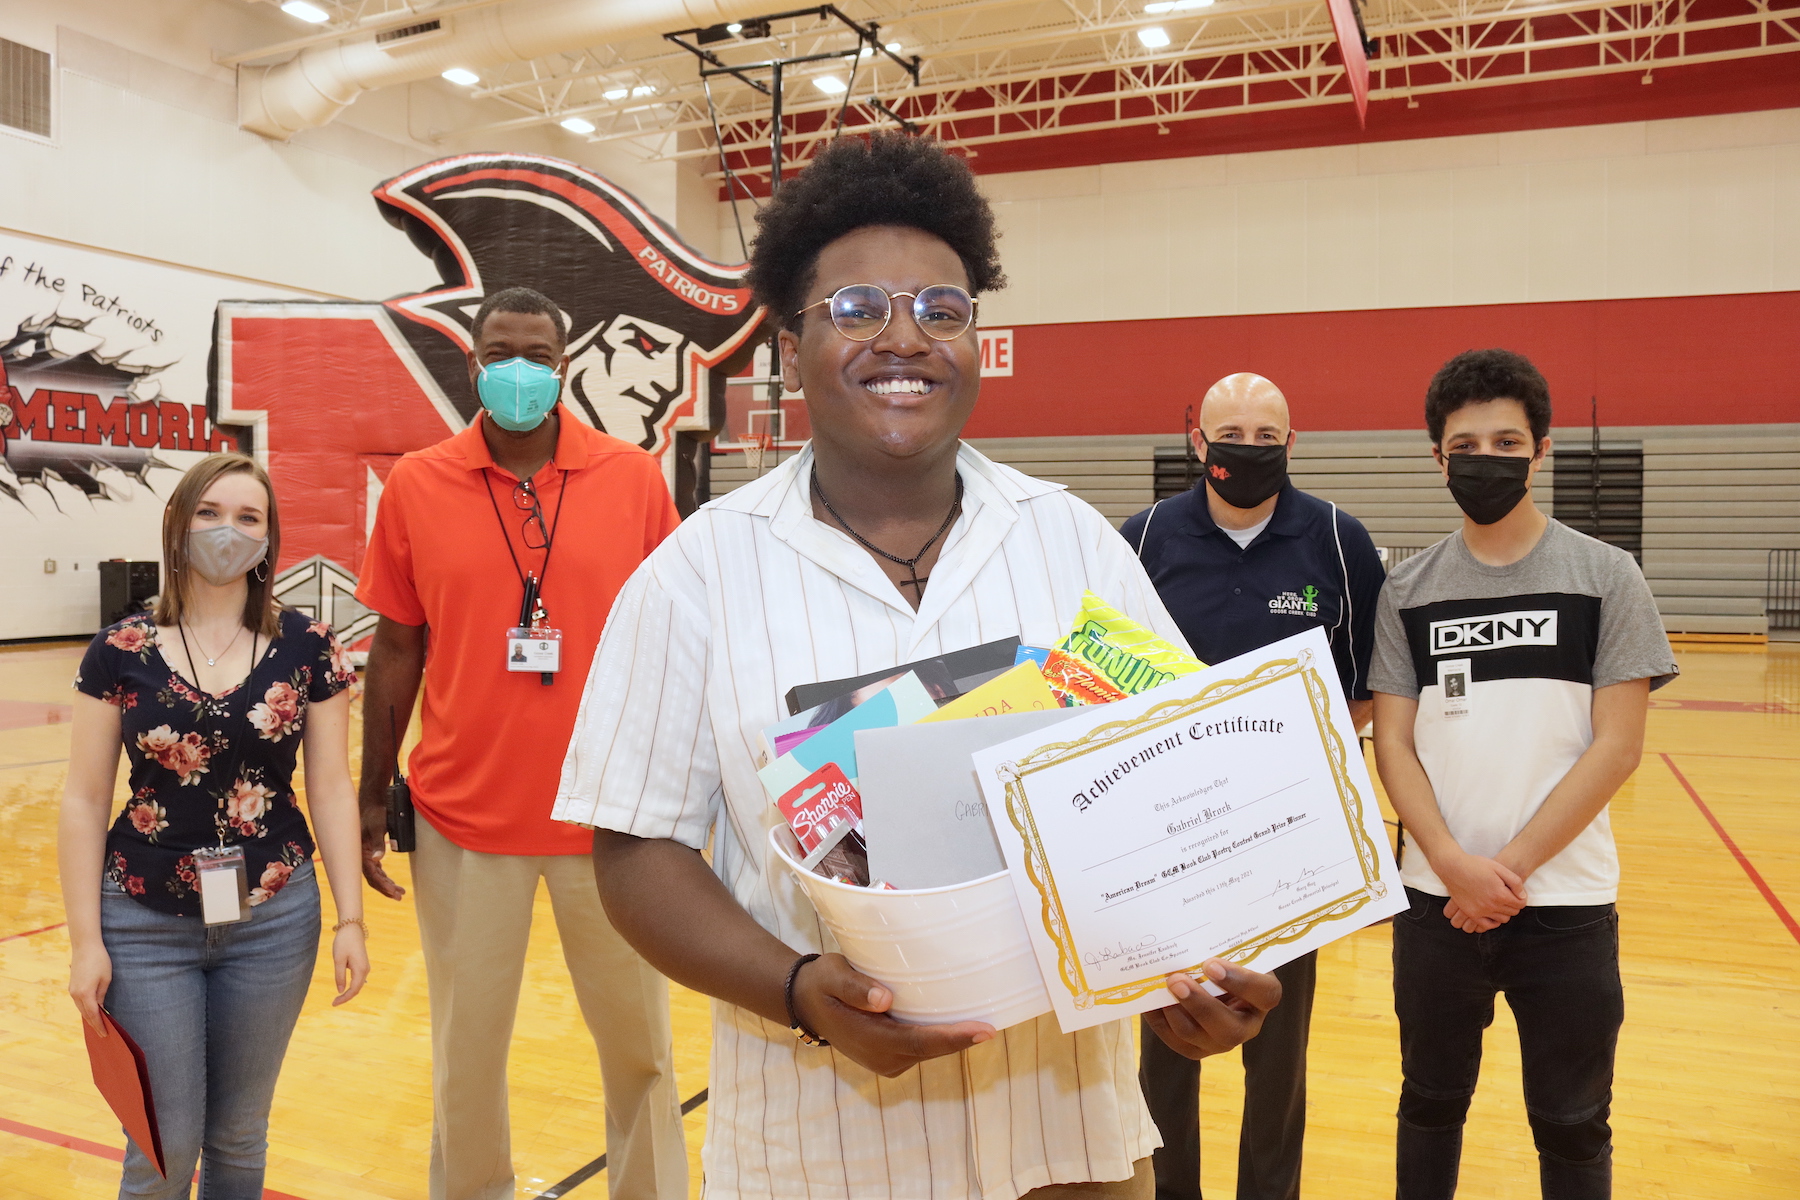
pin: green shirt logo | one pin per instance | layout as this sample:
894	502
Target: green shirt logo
1304	603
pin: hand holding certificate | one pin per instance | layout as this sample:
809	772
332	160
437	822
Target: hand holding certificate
1227	813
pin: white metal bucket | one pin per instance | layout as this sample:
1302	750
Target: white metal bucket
956	953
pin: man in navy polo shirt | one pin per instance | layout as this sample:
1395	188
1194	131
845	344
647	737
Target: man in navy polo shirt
1242	560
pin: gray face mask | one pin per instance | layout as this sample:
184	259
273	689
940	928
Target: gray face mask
224	553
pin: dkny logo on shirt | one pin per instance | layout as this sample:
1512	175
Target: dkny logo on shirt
1536	627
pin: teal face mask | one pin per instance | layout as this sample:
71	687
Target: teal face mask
518	393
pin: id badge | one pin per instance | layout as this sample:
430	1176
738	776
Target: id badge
537	651
1453	685
224	890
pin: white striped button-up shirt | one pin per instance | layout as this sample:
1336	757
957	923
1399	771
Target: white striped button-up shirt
749	597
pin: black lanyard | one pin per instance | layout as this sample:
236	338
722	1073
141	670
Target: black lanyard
533	585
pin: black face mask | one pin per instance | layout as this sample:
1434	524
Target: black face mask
1488	486
1245	476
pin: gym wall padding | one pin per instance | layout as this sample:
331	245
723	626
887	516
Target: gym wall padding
1679	360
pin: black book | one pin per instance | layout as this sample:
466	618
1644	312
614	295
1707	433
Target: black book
967	669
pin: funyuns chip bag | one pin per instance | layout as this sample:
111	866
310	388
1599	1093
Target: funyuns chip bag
1108	656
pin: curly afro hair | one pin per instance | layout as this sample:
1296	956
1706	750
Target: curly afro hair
1477	376
890	179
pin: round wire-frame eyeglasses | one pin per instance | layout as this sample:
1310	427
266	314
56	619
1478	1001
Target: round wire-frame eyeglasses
942	311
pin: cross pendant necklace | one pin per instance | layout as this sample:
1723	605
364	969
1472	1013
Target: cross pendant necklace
917	583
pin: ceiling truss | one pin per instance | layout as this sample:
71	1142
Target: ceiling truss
1003	70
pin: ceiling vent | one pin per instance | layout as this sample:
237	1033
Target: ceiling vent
322	80
24	88
393	39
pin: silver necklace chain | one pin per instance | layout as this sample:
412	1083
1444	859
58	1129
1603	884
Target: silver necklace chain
213	660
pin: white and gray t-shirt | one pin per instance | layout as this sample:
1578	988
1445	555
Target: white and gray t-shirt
1503	662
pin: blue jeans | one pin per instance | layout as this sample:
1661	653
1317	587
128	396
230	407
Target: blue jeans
212	1009
1559	970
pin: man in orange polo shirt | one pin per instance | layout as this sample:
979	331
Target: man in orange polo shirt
494	560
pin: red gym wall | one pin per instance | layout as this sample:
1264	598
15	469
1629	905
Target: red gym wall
1670	360
1684	360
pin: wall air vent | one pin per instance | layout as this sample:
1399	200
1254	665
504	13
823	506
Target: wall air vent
24	88
387	39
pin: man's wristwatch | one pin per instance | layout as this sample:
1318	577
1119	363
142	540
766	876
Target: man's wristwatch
807	1037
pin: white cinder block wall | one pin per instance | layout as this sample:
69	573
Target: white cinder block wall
1650	208
146	159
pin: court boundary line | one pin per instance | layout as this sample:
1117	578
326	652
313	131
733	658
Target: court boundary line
1743	860
1756	757
42	762
32	932
68	1141
581	1175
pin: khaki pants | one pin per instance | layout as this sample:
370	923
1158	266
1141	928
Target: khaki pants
1141	1186
475	920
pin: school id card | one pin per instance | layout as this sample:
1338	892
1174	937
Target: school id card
537	651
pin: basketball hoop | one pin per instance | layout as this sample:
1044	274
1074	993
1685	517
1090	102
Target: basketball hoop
762	436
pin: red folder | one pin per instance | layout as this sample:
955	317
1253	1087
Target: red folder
124	1080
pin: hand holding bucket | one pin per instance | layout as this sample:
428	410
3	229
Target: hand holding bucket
939	956
851	1012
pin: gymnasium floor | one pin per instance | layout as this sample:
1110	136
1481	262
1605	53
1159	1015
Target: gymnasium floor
1708	1092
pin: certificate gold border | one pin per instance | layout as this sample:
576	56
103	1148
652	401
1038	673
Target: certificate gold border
1037	865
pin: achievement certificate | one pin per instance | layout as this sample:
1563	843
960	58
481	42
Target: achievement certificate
1223	814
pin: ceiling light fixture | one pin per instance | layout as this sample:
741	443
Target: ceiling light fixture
734	27
831	85
616	93
577	125
312	14
462	77
1169	6
893	47
643	89
1154	38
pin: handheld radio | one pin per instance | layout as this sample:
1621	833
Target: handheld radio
399	800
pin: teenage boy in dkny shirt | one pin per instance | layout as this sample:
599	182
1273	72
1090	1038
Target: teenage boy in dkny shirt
1513	666
1243	560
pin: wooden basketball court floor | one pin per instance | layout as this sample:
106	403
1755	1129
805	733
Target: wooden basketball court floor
1707	1101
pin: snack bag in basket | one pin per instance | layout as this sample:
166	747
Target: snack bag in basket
1076	681
1108	656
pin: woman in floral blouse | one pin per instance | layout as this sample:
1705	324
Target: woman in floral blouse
212	699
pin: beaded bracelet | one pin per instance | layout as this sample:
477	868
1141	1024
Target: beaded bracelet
806	1036
356	921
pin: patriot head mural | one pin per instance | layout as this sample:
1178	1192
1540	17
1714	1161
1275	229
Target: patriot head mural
330	394
649	319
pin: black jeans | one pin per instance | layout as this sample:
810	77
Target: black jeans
1274	1127
1559	970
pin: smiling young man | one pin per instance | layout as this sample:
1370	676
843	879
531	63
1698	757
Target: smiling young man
885	541
526	518
1513	666
1243	559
